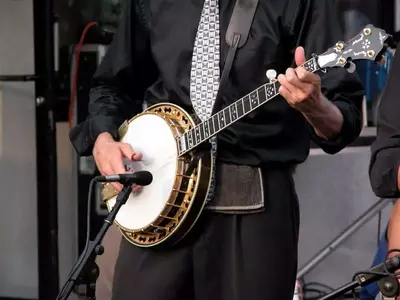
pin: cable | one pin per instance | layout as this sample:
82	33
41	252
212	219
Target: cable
76	69
78	264
315	290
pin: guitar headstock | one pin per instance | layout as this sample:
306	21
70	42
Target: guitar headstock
369	44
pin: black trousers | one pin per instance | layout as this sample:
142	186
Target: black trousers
225	257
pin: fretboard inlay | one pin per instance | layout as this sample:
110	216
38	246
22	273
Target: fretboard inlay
227	116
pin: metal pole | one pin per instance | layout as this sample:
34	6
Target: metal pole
46	150
343	236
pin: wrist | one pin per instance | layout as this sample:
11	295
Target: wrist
317	106
104	137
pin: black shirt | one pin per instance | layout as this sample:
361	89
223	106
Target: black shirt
155	66
385	151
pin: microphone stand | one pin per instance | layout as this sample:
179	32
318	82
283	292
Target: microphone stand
85	270
388	285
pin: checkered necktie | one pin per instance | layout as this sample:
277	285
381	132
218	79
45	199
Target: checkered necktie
205	72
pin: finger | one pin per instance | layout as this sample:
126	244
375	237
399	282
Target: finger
299	56
127	150
118	167
137	188
137	156
292	78
285	83
117	186
285	93
108	170
306	77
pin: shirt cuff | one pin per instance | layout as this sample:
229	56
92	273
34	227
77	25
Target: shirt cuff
85	134
350	130
383	172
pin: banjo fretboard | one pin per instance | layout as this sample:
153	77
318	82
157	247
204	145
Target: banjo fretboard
230	114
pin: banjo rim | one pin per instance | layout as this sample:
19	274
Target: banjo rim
124	129
170	236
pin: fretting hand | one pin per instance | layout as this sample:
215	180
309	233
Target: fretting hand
300	88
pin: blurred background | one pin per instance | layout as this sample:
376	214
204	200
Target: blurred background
49	51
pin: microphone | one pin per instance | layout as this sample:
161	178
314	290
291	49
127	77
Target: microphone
140	178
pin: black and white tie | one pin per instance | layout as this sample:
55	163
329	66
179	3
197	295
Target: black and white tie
205	71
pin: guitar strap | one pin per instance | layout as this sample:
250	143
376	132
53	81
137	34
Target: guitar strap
236	37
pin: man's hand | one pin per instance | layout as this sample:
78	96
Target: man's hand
300	88
109	156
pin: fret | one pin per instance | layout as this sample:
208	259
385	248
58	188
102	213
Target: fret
216	123
311	65
270	90
254	100
206	129
261	95
211	125
201	129
227	116
239	108
232	111
246	104
184	140
221	119
189	138
197	135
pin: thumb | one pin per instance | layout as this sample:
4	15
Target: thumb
299	56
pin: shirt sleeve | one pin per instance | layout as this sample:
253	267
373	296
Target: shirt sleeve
118	85
385	150
316	27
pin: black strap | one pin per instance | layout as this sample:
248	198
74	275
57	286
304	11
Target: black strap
241	20
236	36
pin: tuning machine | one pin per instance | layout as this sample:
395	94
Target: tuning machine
271	75
350	67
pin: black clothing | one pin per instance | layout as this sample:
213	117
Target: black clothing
225	257
155	67
385	156
250	256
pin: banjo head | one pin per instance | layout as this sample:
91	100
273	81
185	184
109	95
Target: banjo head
163	212
151	135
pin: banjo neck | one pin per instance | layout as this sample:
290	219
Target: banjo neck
369	44
234	112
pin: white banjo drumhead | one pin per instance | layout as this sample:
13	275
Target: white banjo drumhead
150	135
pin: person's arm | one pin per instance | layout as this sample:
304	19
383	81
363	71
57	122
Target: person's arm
393	231
385	151
118	84
336	121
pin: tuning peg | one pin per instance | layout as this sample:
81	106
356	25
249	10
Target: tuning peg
351	67
271	75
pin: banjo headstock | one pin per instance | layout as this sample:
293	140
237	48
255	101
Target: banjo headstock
369	44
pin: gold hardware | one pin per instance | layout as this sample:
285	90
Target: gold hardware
183	192
371	53
367	31
169	218
175	205
184	176
342	61
339	46
172	216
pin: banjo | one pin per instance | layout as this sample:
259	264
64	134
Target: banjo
176	150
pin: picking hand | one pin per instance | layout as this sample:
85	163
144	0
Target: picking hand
300	88
109	154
